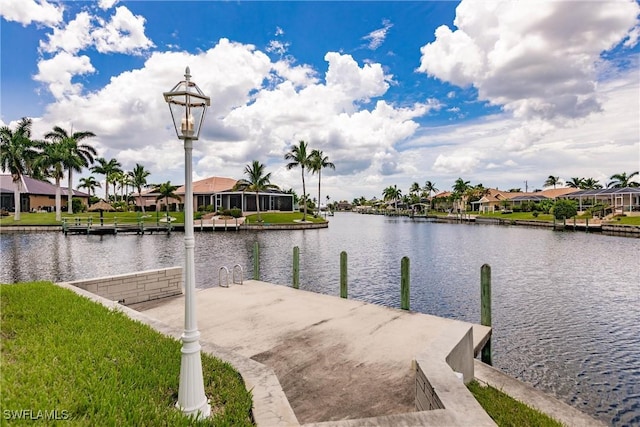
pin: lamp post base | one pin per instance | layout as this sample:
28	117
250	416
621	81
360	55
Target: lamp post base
191	398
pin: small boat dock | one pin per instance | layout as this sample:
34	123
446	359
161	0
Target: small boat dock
79	226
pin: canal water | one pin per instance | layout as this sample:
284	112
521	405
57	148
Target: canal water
566	305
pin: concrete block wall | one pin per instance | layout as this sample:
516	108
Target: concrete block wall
438	383
136	287
426	397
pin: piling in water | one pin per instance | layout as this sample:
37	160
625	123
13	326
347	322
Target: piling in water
485	308
343	274
296	267
404	283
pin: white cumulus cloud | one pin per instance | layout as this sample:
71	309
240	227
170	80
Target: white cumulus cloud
30	11
537	59
58	72
124	33
75	36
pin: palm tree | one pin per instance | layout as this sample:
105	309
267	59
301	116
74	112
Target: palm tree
415	188
429	188
298	157
124	181
392	193
79	155
107	168
139	179
460	187
475	193
590	184
622	180
256	181
552	180
17	154
90	184
114	179
319	161
166	191
575	182
51	163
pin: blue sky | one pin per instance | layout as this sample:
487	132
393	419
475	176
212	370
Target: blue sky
498	93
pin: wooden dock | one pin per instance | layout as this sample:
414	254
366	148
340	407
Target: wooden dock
89	226
114	228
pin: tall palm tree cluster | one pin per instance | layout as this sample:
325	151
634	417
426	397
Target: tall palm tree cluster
311	160
60	152
257	180
618	180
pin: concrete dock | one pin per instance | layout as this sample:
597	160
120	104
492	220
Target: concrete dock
335	362
343	361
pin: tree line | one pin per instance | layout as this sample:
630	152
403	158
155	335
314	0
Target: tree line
65	152
464	190
301	156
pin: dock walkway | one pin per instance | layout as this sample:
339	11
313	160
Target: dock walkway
339	361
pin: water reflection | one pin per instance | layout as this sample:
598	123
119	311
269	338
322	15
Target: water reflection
565	305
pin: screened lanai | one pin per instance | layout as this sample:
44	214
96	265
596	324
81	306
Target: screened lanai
621	200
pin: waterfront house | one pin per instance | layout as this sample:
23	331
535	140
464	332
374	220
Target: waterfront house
35	195
618	200
497	200
217	193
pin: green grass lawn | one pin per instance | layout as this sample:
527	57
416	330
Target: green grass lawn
625	220
508	412
281	218
525	216
62	352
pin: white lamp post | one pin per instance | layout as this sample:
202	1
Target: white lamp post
188	104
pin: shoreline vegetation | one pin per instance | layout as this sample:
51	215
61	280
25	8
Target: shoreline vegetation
79	361
47	219
77	348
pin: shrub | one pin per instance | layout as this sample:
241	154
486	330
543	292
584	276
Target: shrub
563	209
233	212
77	206
535	214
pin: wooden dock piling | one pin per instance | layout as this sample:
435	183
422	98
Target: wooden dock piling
343	275
296	267
485	308
404	283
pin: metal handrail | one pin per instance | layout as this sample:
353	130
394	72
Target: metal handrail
235	268
220	277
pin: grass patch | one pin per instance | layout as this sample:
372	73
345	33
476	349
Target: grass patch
525	216
625	220
281	218
62	352
506	411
